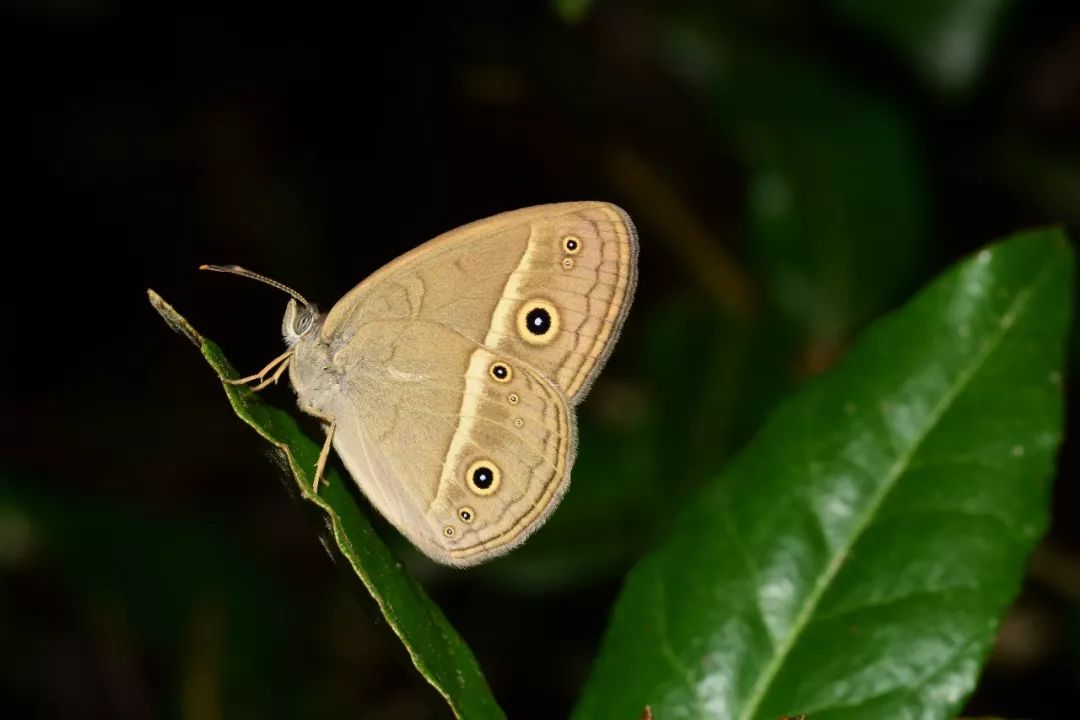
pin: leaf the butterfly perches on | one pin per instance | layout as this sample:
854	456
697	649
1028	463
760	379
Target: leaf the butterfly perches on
434	646
447	380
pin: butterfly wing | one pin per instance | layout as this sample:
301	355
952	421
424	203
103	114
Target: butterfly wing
576	263
463	465
453	371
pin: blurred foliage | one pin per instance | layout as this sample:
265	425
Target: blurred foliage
572	11
948	43
190	588
835	193
795	169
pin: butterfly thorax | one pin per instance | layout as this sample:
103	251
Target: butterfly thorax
312	372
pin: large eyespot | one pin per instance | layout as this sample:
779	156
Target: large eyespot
538	322
467	514
500	372
483	477
571	244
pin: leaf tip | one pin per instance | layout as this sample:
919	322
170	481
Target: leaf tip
1053	236
174	319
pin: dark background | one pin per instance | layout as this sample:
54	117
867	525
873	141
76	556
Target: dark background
795	169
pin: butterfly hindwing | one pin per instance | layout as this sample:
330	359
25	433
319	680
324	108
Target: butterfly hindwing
465	456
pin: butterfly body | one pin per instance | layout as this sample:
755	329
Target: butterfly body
449	376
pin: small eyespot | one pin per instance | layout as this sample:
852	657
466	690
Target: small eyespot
448	531
538	322
518	422
466	514
500	372
483	477
572	244
568	263
513	398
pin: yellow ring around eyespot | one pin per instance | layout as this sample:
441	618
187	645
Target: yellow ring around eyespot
566	244
496	477
522	322
496	378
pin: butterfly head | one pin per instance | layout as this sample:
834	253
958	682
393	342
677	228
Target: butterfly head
300	315
299	320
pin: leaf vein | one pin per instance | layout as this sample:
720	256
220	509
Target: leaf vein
802	620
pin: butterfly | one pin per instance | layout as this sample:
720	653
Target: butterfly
447	380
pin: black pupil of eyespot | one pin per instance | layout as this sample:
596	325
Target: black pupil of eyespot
538	321
500	371
571	244
482	477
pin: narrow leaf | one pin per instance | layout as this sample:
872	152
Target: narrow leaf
856	558
436	649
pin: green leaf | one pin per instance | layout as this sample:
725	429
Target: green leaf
436	649
947	41
856	558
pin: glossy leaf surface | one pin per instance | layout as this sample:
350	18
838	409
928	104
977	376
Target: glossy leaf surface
856	558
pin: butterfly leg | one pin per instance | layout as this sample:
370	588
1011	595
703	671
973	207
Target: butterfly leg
320	466
272	380
281	361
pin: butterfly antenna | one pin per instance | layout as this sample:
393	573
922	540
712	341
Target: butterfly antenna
244	272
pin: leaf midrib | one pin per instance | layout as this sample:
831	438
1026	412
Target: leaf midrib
1016	310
